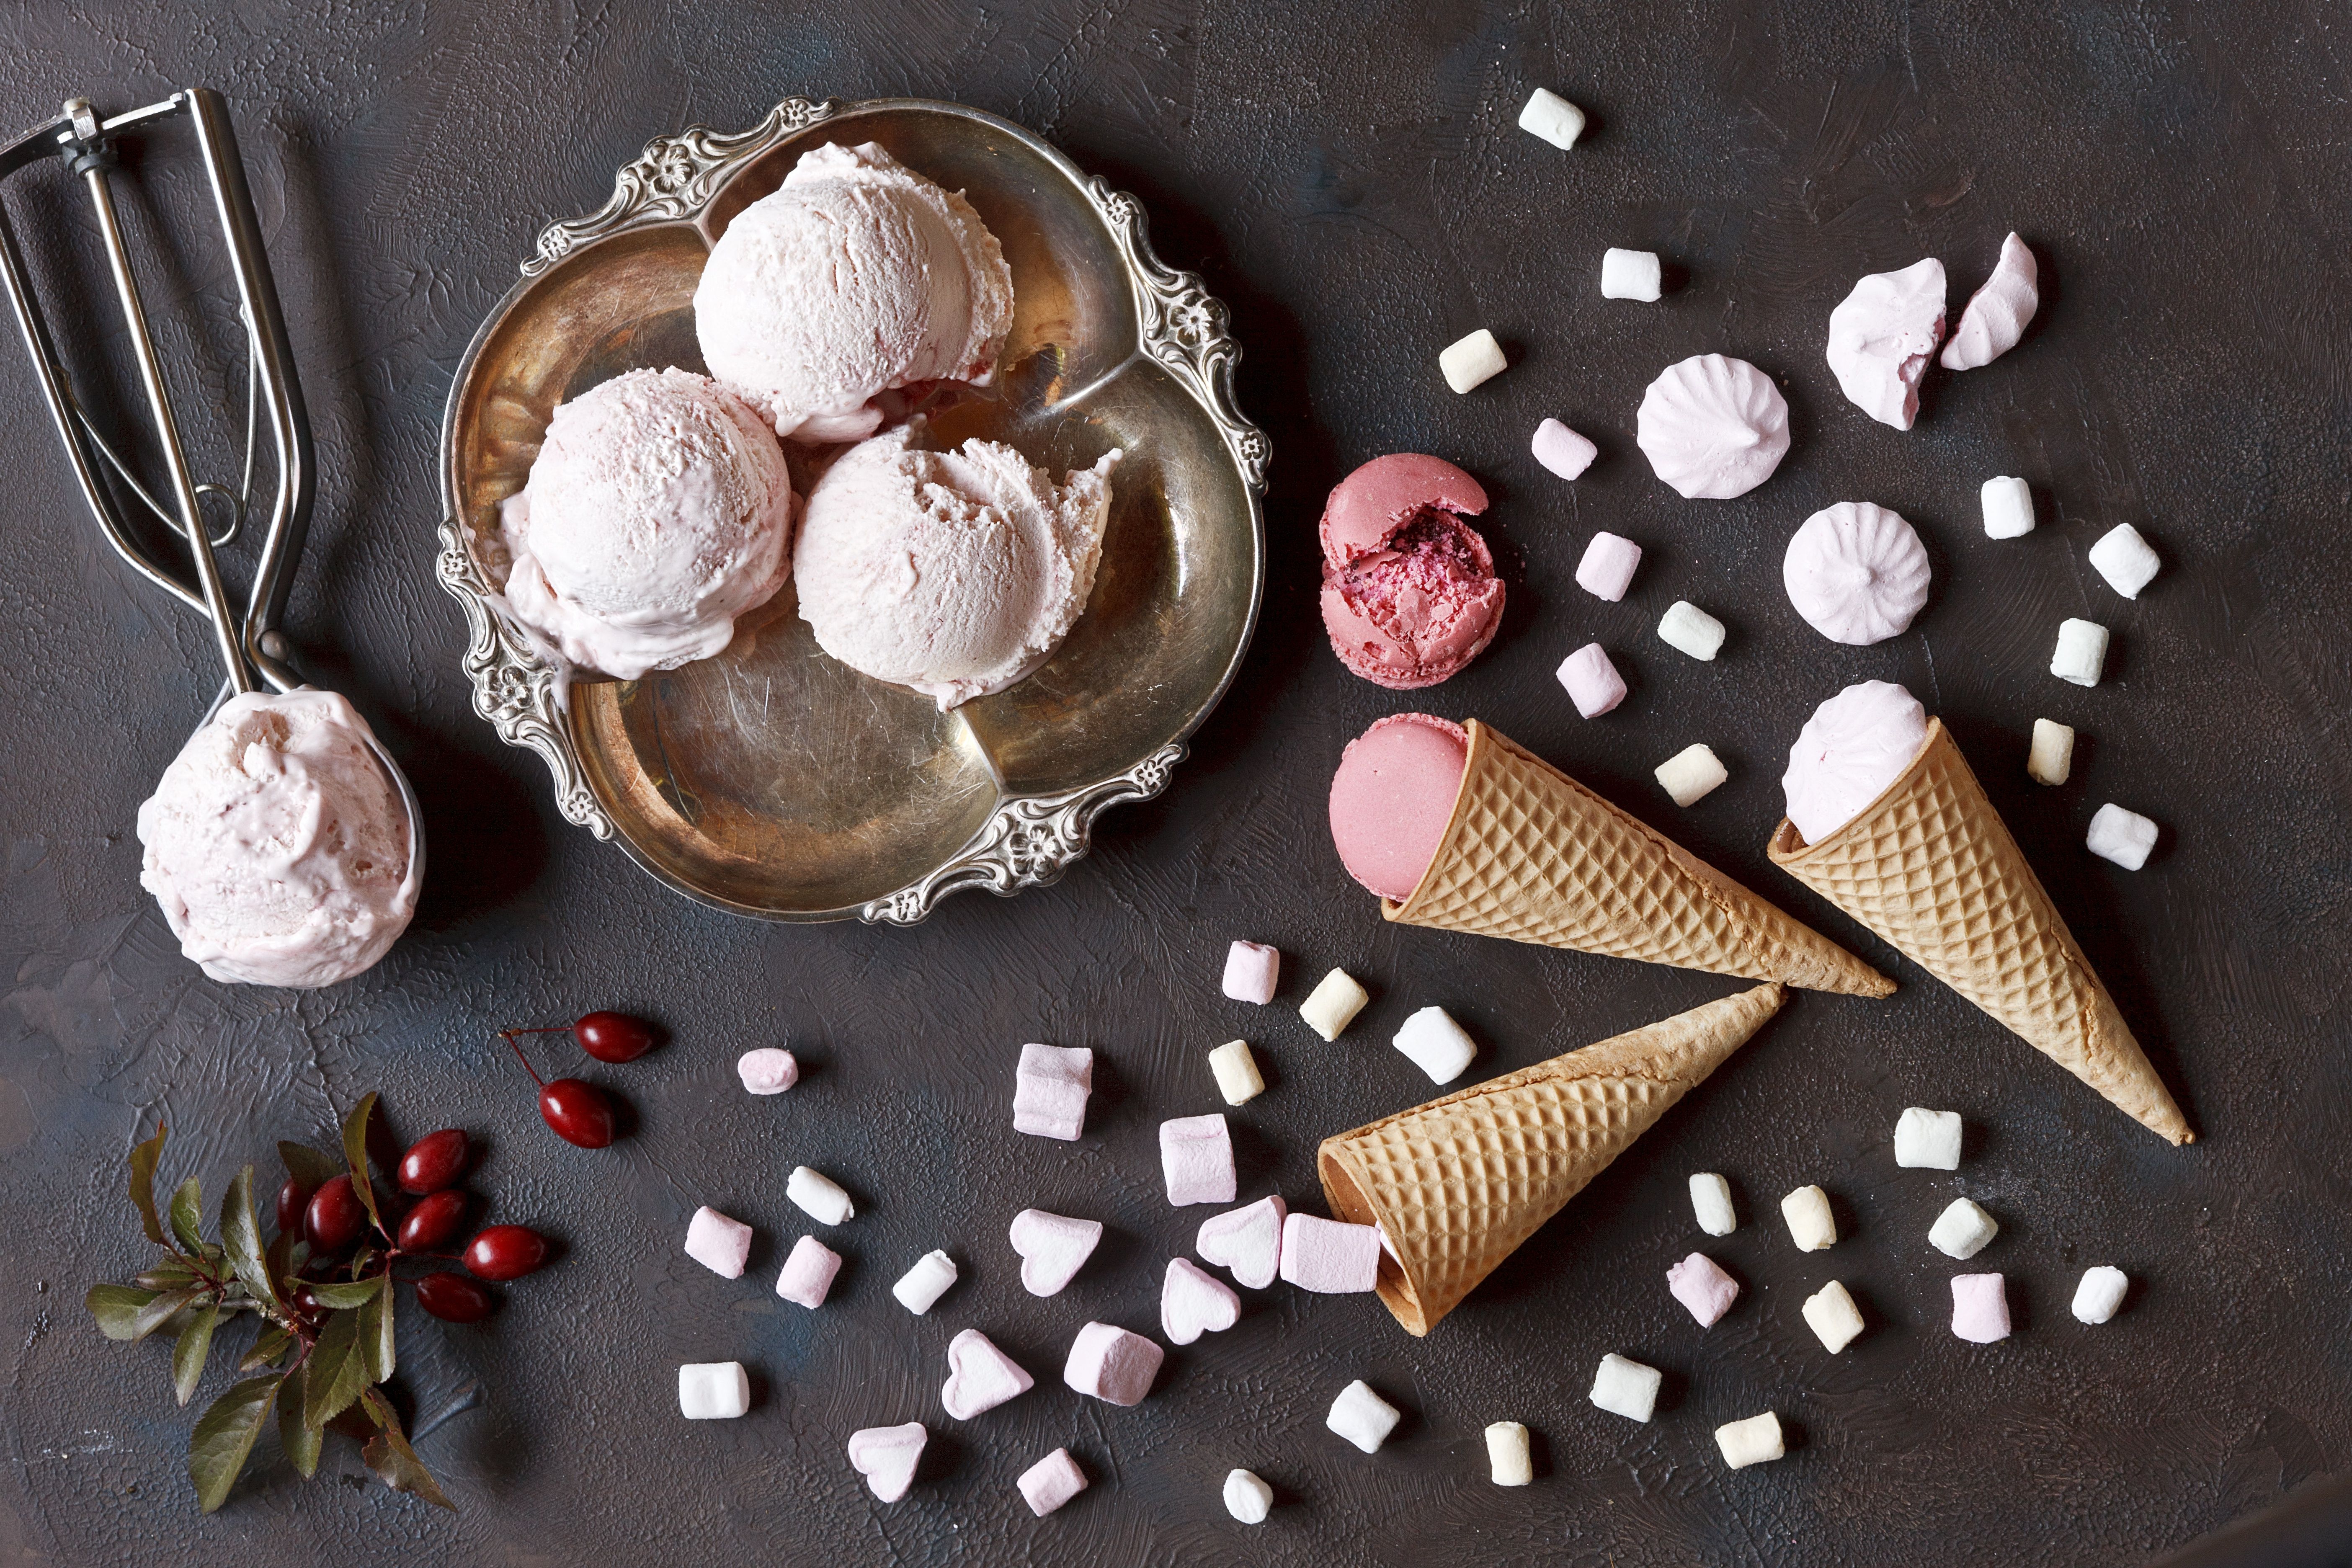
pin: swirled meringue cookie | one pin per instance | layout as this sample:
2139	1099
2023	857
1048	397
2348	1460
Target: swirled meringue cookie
1713	426
1997	313
1881	338
1857	573
1853	746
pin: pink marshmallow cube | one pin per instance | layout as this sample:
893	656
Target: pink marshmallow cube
1607	569
1592	682
1196	1155
1563	450
1050	1090
1701	1287
808	1273
1051	1482
1329	1257
1250	970
767	1070
718	1243
1112	1364
1979	1308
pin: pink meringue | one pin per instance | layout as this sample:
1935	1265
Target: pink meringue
1713	426
1857	573
1853	746
1997	313
1882	336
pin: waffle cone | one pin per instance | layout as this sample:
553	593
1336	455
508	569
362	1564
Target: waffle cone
1930	867
1458	1184
1531	855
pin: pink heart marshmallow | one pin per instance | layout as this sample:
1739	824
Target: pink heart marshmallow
1246	1240
1053	1248
980	1376
887	1456
1193	1303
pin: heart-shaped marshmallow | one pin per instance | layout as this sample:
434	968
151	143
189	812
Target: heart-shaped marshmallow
1193	1303
886	1456
1246	1240
980	1376
1052	1248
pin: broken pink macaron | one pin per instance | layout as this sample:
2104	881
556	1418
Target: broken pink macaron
1329	1257
808	1274
1196	1156
1050	1090
1112	1364
1563	450
1997	313
1713	426
1853	746
1979	1308
1883	335
1246	1241
719	1244
980	1376
1051	1482
887	1457
1193	1302
1698	1284
1053	1248
1410	595
767	1070
1857	573
1391	797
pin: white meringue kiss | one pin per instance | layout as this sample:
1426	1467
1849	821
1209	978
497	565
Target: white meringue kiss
1857	573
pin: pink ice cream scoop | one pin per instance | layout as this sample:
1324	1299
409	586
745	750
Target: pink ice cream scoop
1410	595
1857	573
1997	313
1853	746
1392	796
1882	336
1713	426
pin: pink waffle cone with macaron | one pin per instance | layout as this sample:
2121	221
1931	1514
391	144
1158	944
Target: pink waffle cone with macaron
1455	827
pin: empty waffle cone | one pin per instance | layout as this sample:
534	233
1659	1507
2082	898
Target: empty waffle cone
1531	855
1458	1184
1930	867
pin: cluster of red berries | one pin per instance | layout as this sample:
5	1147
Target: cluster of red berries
580	1112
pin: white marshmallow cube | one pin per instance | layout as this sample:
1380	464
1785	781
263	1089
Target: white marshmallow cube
1810	1225
2123	837
919	1289
1436	1043
2081	653
1553	118
1626	1388
1629	274
768	1070
1473	361
1331	1006
1562	449
1591	680
1606	568
819	1196
2123	558
713	1391
1507	1458
1362	1417
2099	1294
1963	1229
1691	774
1830	1313
1238	1079
1751	1442
718	1243
1248	1498
2051	756
1928	1140
2008	509
1691	629
1252	969
1711	1202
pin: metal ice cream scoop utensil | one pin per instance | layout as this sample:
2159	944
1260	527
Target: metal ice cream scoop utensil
254	651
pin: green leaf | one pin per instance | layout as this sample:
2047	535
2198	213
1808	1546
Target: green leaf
223	1437
340	1294
338	1370
355	1129
168	1275
390	1456
188	1214
307	1166
375	1335
241	1234
269	1348
142	1185
300	1440
117	1309
284	1261
188	1352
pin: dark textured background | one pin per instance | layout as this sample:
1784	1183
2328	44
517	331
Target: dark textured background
1351	179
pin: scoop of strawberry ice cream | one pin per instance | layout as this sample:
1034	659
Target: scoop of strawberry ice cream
1410	595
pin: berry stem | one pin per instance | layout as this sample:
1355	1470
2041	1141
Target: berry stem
508	1036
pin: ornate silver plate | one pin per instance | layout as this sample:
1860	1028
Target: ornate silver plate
771	780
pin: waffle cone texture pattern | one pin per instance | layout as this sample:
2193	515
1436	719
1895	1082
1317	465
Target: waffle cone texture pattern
1531	855
1930	867
1458	1184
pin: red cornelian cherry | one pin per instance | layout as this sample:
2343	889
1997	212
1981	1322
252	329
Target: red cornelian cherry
292	1199
435	1161
432	1222
453	1298
506	1252
335	1216
614	1037
579	1111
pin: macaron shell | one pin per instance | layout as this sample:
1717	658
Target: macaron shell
1391	797
1387	493
1418	610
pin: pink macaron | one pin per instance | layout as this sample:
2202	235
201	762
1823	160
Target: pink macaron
1391	797
1410	595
